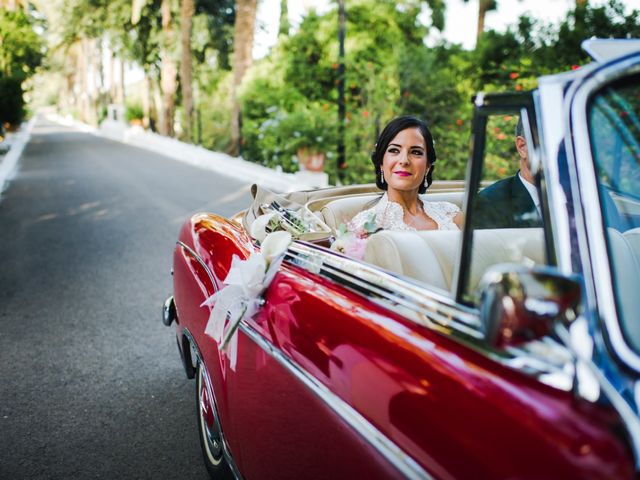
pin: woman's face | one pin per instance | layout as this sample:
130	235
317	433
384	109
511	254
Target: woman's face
405	161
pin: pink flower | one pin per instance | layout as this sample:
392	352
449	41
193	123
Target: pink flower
356	248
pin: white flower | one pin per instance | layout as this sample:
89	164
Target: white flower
258	229
275	244
244	285
340	243
247	274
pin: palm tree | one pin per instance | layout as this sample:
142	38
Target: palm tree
242	47
186	16
484	6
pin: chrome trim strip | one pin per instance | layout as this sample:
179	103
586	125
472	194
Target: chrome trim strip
429	308
596	256
551	134
201	262
544	359
394	455
225	448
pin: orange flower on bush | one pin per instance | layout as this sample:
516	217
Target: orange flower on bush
501	136
518	87
502	171
365	113
459	122
514	75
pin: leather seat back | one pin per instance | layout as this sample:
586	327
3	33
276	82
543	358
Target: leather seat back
431	256
335	211
625	259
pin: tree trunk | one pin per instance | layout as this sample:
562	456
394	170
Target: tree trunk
146	100
122	93
94	66
482	12
168	71
84	79
113	88
157	100
186	16
242	47
484	6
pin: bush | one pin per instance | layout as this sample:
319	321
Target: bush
11	101
133	112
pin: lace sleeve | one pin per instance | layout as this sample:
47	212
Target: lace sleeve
360	219
443	213
450	209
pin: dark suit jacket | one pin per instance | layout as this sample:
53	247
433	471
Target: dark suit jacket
505	204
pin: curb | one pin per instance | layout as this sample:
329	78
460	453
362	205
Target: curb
235	167
10	161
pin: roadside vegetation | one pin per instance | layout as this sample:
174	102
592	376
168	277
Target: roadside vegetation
200	84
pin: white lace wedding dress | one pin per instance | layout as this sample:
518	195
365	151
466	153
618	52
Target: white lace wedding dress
390	215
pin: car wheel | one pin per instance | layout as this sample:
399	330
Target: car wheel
209	430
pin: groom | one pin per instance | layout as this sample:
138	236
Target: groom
512	202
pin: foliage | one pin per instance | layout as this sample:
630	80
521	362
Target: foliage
220	16
21	49
291	95
289	98
21	53
11	103
133	112
296	85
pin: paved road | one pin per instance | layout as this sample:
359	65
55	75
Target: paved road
91	385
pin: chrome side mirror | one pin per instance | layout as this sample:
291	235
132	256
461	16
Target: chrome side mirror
519	304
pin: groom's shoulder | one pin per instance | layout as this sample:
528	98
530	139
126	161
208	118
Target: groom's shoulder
499	189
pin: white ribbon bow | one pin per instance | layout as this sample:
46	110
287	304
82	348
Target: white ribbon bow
241	297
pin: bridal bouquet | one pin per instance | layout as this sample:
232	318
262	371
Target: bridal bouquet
241	296
353	242
280	218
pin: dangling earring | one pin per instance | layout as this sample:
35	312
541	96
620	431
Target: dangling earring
382	176
426	182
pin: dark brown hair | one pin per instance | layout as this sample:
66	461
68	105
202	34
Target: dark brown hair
392	129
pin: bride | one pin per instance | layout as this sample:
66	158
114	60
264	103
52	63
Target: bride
403	159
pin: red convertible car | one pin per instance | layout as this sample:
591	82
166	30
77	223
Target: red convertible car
500	352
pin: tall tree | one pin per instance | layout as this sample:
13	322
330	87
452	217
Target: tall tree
168	70
242	47
484	6
186	20
20	55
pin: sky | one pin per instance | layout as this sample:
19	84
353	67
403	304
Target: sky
460	25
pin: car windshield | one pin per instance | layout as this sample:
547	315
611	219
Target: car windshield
614	126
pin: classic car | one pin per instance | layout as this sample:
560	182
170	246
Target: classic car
480	353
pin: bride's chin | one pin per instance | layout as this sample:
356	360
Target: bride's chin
403	189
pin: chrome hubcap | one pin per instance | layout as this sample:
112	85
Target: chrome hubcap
213	446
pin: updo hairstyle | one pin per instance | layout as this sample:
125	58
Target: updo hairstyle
392	129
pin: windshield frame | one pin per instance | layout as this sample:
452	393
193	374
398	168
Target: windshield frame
594	251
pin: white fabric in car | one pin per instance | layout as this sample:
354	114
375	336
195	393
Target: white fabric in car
430	256
625	259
